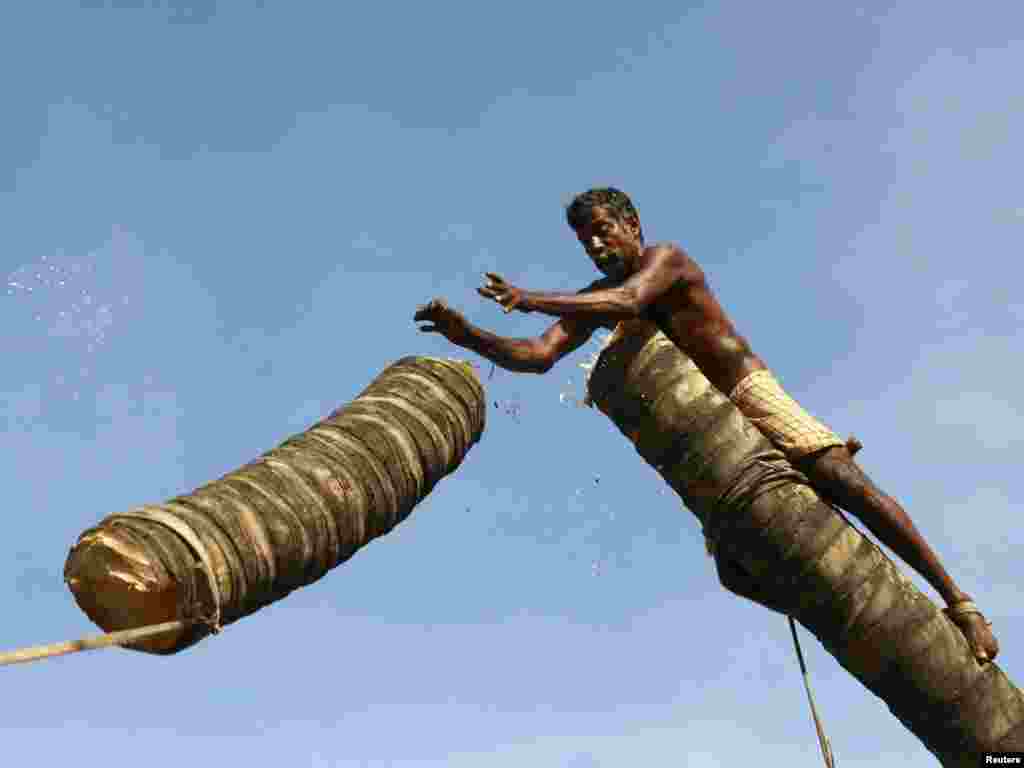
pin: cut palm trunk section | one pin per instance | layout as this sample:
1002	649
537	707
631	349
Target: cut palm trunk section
285	519
776	542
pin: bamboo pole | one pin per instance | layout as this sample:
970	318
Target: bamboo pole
124	637
221	552
776	542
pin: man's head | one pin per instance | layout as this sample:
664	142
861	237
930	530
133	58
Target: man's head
608	227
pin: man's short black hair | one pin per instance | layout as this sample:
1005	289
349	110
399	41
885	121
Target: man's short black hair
577	212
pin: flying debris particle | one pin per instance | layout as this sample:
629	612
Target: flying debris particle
509	408
588	368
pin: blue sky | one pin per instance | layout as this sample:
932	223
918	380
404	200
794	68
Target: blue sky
227	214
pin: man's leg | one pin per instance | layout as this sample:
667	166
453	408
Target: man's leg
838	475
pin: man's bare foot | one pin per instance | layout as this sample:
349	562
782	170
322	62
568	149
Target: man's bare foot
965	614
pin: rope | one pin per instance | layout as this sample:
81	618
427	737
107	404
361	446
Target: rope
756	475
826	745
94	642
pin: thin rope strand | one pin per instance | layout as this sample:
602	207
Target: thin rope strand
94	642
826	745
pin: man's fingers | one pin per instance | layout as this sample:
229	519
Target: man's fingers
498	280
431	310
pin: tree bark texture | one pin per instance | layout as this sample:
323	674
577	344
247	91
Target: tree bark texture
777	542
285	519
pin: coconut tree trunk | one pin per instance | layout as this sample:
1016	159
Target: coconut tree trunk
285	519
777	542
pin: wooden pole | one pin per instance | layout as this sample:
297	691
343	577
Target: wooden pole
284	520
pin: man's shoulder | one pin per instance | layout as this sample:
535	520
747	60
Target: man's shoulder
677	256
667	249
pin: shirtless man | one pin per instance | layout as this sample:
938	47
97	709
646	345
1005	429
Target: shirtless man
663	284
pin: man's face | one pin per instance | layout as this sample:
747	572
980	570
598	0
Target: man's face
610	243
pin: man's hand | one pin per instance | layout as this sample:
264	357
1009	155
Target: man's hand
502	292
444	320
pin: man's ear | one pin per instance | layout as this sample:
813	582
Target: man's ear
633	223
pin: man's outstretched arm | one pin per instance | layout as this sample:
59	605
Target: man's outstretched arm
618	302
605	298
535	355
518	355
